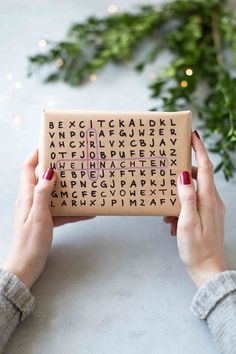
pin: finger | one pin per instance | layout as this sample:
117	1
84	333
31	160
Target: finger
205	178
27	184
187	194
62	220
42	195
27	176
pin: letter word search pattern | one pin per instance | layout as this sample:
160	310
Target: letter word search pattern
115	163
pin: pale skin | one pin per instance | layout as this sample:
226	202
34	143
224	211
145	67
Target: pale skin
199	227
33	227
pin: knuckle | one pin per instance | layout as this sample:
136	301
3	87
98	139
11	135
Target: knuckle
222	206
189	197
208	166
41	194
208	205
188	225
40	189
214	206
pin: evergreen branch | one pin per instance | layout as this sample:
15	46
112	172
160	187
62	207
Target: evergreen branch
198	33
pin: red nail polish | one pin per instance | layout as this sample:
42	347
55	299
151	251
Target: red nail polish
48	174
185	178
197	134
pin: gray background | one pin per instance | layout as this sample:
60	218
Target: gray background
113	284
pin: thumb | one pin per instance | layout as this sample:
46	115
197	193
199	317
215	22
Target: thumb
44	188
187	195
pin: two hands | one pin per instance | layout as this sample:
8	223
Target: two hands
199	227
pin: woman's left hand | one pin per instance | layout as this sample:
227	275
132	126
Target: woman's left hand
33	227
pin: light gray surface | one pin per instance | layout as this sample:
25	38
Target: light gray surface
113	284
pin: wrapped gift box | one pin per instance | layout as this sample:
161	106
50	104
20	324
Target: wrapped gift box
115	163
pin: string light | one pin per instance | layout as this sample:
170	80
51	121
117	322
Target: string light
51	103
17	120
9	76
42	43
189	72
184	83
93	77
18	85
59	62
112	8
152	76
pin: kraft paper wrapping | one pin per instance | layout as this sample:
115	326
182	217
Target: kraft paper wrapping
115	163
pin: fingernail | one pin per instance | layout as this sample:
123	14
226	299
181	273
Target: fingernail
185	178
197	134
48	174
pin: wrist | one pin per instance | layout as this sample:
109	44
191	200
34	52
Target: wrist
202	277
22	274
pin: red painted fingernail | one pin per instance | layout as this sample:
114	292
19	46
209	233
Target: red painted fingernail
197	134
185	178
48	174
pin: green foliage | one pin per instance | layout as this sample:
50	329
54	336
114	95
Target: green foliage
200	34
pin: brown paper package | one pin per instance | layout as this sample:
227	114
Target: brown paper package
115	163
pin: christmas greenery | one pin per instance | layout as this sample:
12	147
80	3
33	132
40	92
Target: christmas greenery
200	34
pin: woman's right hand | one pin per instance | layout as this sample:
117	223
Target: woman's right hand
200	225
